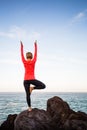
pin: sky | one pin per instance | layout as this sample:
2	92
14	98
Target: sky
60	28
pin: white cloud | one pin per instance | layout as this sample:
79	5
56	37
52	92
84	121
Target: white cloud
79	17
16	32
5	34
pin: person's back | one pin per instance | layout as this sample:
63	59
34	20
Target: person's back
29	70
29	63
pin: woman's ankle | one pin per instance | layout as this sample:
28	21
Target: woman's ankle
29	109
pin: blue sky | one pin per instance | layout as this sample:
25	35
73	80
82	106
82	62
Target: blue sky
60	28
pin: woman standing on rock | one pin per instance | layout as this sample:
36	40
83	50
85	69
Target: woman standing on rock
29	76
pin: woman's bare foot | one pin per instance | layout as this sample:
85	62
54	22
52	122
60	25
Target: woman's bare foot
29	109
31	88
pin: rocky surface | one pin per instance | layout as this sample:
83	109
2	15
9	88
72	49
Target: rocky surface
64	118
9	123
58	116
35	120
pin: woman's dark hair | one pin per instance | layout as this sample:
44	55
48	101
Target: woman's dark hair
29	55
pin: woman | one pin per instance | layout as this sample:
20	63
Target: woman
29	76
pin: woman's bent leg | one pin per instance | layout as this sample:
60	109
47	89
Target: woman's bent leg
38	84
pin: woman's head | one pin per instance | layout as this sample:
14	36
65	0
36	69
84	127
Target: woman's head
29	55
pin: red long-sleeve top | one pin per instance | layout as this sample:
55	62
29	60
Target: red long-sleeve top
29	65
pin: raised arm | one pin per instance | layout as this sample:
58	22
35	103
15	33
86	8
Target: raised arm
35	50
22	54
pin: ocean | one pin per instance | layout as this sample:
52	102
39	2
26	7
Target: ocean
14	103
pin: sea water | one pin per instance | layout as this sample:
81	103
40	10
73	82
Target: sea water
14	103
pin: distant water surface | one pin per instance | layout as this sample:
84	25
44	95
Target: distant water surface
14	103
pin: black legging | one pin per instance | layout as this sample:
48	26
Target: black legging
38	85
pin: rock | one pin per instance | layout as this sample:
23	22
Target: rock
58	116
9	123
64	117
35	120
76	121
56	106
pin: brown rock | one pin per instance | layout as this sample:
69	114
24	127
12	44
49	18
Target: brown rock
34	120
9	123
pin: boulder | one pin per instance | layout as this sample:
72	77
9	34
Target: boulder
34	120
9	123
64	117
76	121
